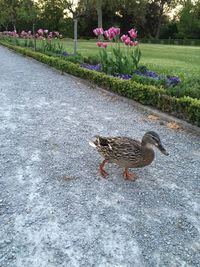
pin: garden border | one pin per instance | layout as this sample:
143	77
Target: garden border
186	108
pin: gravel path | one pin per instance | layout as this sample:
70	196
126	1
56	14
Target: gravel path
55	210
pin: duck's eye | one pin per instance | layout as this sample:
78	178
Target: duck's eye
155	139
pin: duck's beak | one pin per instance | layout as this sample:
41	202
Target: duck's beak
162	149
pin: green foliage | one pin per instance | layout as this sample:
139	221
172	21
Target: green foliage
8	13
184	107
122	61
93	60
149	80
49	46
189	22
52	14
28	11
74	58
189	87
19	42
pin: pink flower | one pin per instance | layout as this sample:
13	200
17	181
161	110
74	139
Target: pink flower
117	30
104	45
29	32
106	34
22	33
61	36
99	44
111	35
133	33
124	37
40	32
131	43
127	41
136	43
46	31
14	34
98	31
112	32
56	34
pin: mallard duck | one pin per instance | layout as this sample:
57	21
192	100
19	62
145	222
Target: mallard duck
127	152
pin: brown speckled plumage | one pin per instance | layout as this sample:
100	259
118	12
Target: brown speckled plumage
127	152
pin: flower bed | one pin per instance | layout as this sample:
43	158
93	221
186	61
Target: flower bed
166	81
118	61
124	64
26	39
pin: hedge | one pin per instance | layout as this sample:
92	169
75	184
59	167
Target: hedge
186	108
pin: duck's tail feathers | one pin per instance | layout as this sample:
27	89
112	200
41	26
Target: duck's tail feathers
91	143
98	141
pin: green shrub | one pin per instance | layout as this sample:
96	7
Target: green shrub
186	88
149	80
93	60
184	107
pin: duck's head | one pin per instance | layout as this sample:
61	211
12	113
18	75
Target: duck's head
152	138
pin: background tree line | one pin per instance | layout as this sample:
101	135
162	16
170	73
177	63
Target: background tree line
152	18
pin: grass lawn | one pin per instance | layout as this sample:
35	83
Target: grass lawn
183	61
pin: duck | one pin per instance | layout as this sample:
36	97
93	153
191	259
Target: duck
127	152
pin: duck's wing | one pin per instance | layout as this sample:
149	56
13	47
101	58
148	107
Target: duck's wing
124	148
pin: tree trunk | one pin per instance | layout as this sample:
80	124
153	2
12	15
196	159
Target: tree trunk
34	36
99	13
158	27
159	21
75	36
14	27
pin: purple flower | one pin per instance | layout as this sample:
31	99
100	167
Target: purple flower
97	67
173	81
65	54
169	81
122	76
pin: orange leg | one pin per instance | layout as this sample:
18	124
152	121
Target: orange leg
129	176
101	169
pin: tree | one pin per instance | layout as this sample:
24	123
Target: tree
12	11
4	15
9	12
85	5
51	13
163	7
27	11
130	13
189	20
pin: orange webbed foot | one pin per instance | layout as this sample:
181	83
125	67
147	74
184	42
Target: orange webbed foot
101	169
129	176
